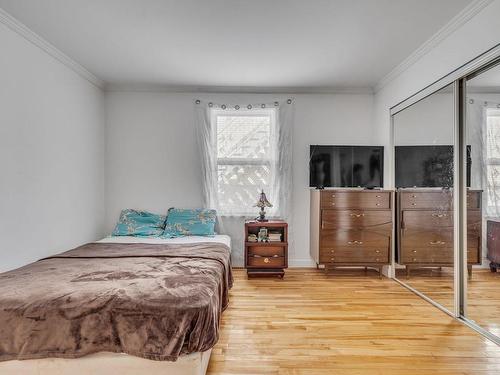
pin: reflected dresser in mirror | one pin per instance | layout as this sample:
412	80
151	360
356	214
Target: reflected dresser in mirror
351	227
424	233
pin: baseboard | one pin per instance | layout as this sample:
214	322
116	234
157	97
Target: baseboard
301	263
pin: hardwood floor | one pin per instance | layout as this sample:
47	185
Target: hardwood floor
345	323
483	293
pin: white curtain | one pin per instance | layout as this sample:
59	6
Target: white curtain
231	221
485	153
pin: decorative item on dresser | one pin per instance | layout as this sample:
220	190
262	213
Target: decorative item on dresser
267	256
425	228
351	227
493	244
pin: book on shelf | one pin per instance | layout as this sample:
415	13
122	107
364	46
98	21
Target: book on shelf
274	237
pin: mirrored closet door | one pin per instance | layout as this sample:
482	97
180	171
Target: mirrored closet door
482	139
423	135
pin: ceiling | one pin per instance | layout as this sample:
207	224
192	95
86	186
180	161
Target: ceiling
238	43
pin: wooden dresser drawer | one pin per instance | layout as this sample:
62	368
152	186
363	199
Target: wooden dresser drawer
440	200
435	239
427	238
437	200
355	255
332	219
436	255
266	251
265	262
443	255
427	219
354	238
356	199
473	255
474	219
474	200
437	219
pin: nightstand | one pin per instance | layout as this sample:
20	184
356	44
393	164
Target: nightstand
266	258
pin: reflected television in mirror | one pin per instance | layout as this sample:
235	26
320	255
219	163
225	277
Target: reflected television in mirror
426	166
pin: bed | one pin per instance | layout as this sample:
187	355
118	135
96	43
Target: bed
123	304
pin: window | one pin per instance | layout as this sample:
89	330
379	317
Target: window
246	152
493	155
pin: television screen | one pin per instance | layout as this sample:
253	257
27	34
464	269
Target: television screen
346	166
426	166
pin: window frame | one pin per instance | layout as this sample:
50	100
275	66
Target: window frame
269	161
490	161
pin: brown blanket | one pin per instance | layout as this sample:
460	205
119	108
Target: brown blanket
151	301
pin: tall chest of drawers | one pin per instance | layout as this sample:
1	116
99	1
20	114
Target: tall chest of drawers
351	227
425	228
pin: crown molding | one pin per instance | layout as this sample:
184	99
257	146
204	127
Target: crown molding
455	23
47	47
483	89
236	89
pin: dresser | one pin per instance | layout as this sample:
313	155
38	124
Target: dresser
425	228
351	227
493	244
266	258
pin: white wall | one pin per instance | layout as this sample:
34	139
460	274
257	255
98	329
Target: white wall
428	122
475	37
51	154
153	163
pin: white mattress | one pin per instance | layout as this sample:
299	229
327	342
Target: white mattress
218	238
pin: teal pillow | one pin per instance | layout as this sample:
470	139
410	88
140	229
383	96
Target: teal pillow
139	223
190	222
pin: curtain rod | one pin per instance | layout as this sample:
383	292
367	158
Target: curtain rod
249	106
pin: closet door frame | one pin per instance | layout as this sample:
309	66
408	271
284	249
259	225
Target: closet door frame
458	78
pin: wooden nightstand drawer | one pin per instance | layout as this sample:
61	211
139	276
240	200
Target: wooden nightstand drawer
266	251
266	262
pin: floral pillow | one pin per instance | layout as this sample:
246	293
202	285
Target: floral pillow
190	222
139	223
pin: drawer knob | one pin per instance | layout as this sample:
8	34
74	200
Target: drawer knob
377	251
413	204
333	204
437	243
378	196
377	204
333	251
414	251
414	259
357	215
413	196
332	259
377	260
266	260
333	195
355	242
439	215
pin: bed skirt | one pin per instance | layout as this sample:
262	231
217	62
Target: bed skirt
106	363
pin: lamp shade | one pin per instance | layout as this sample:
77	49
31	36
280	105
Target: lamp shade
263	202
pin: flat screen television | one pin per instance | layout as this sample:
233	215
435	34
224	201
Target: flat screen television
346	166
426	166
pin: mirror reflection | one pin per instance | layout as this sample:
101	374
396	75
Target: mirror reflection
483	219
423	140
